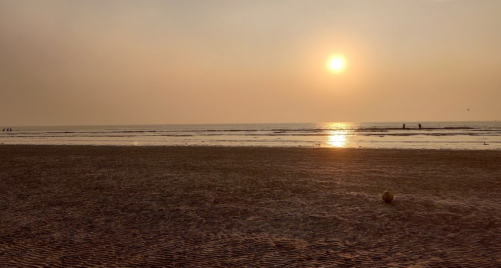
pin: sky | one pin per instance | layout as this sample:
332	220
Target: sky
116	62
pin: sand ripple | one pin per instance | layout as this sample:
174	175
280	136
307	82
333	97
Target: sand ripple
247	207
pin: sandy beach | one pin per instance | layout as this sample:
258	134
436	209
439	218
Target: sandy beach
93	206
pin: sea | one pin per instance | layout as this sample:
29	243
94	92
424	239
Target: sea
474	135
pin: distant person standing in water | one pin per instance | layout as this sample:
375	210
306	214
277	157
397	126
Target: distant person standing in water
419	126
403	126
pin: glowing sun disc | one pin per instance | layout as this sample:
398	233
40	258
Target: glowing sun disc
336	64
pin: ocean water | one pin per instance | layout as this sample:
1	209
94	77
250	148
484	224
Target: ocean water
433	135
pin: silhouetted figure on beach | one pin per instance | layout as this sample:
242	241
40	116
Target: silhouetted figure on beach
419	126
3	129
403	126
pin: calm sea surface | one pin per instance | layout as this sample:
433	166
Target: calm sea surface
432	135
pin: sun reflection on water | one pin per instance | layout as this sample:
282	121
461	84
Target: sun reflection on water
338	134
337	139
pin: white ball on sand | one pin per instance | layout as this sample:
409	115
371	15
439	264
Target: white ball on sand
387	197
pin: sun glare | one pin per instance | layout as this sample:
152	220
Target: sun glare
336	64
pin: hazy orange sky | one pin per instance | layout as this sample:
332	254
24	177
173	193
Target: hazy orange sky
168	62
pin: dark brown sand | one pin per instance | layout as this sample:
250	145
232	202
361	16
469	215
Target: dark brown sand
84	206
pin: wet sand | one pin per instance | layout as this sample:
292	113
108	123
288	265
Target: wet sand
88	206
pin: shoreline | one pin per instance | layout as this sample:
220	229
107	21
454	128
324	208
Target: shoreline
438	135
249	147
175	206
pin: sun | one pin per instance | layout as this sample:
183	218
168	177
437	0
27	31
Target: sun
336	64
